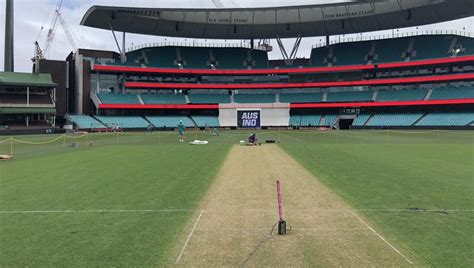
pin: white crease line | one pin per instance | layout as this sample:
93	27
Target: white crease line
266	229
189	238
381	237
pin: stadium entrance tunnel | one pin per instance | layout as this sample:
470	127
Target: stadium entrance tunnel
345	123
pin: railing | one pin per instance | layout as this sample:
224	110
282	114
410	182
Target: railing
394	34
194	43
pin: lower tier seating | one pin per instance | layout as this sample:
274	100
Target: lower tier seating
361	120
310	120
85	122
124	121
382	120
447	119
169	121
209	121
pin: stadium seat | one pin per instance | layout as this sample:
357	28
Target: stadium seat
350	96
452	93
301	97
116	98
446	119
255	98
124	121
361	120
402	95
295	120
163	99
383	120
310	120
169	121
203	121
85	122
209	98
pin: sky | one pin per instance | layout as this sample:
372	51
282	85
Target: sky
33	19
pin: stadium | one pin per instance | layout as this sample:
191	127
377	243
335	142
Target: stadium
212	153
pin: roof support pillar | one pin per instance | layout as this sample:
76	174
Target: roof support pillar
9	39
123	56
289	58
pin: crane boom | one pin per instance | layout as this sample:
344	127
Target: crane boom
68	33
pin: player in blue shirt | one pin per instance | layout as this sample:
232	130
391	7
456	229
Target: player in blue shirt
181	130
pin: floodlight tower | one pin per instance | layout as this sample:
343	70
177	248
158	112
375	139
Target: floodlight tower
9	28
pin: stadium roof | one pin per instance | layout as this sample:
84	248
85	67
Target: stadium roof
26	80
338	17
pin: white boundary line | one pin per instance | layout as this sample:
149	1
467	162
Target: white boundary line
189	238
225	211
381	237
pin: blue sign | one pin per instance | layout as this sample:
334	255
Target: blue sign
248	119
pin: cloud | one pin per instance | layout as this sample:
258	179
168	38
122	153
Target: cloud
32	15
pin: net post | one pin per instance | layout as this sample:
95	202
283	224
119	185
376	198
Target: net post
11	146
64	140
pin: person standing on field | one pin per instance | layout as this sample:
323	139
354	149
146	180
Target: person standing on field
181	130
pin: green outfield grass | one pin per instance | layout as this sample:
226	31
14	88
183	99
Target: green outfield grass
115	177
372	170
430	178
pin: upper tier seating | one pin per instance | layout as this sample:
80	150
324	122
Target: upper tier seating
446	119
209	98
209	121
197	57
170	121
301	97
452	93
381	120
115	98
392	50
350	96
163	99
124	121
402	95
86	122
255	98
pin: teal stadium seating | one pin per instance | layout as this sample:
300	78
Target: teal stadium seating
350	96
85	122
330	120
115	98
351	53
163	99
195	57
255	98
310	120
432	46
402	95
209	121
446	119
170	121
383	120
295	120
301	97
452	93
209	98
466	44
124	121
361	120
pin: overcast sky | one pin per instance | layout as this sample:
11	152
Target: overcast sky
33	15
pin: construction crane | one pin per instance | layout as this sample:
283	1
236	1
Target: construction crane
41	53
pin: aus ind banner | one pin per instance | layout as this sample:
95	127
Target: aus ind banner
248	119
